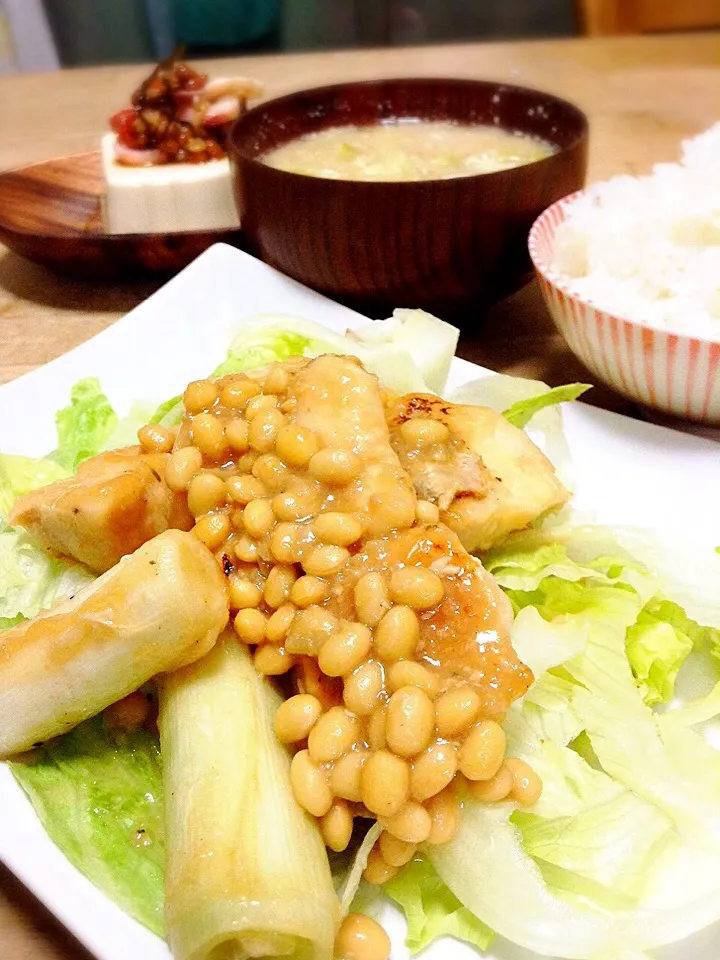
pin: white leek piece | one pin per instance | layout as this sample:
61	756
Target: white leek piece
158	609
247	874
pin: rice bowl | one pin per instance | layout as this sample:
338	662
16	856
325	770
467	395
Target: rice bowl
638	300
670	372
648	248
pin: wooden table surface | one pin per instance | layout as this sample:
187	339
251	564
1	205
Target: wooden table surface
642	95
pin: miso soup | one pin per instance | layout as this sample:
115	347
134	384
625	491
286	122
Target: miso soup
407	150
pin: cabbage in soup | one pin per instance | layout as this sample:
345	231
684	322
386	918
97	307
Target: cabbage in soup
407	150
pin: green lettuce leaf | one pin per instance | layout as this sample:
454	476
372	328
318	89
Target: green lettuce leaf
7	622
263	340
429	342
656	651
687	571
609	843
126	429
256	345
169	413
30	579
432	910
631	745
704	639
622	850
401	351
522	412
546	705
98	795
542	644
85	426
568	552
696	712
19	475
410	351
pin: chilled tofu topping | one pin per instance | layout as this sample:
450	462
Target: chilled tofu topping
179	116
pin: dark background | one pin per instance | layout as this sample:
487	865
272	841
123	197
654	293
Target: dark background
106	31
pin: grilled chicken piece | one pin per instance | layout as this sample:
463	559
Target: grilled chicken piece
115	503
466	636
488	478
338	399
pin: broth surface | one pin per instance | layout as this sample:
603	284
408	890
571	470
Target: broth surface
407	150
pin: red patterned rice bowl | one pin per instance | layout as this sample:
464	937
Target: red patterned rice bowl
676	373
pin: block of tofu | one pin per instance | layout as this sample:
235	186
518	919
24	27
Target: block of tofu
168	198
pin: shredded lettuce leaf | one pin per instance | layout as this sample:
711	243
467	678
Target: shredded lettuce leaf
126	429
353	877
257	344
432	910
169	413
403	351
411	351
657	644
85	426
19	475
522	412
30	579
98	795
430	343
687	571
656	651
631	799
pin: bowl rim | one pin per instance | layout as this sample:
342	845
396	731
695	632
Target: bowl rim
235	153
544	269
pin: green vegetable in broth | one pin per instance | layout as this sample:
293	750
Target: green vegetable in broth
407	149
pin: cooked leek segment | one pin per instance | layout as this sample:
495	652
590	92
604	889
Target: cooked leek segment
247	872
158	609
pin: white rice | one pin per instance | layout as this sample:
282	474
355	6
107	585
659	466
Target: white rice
648	248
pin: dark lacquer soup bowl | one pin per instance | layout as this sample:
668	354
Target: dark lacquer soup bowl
437	244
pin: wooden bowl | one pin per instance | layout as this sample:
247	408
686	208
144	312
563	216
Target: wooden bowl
50	213
437	244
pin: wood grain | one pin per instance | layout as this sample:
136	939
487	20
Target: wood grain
642	95
27	930
51	213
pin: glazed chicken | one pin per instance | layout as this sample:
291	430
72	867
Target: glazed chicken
465	638
485	475
335	517
115	503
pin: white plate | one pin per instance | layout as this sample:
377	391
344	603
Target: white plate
627	472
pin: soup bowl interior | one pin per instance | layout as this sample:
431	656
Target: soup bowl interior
433	243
